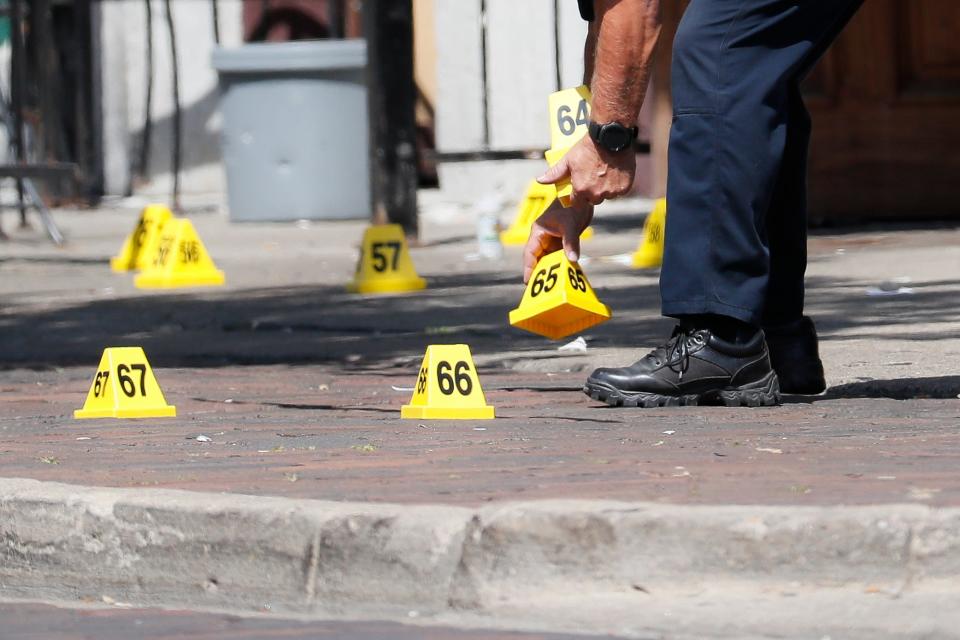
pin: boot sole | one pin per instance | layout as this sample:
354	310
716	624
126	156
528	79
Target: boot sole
763	393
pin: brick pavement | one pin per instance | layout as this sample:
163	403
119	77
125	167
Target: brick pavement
312	432
294	379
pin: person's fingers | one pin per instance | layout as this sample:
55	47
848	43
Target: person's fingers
530	254
571	239
555	173
581	199
540	243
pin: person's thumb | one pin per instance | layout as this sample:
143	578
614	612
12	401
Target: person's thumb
571	240
555	173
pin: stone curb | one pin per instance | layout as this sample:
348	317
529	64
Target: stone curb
225	551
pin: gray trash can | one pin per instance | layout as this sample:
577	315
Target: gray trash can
295	130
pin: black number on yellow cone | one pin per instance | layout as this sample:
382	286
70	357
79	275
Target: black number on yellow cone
459	380
163	251
577	279
126	381
100	384
380	261
190	252
655	233
544	281
422	380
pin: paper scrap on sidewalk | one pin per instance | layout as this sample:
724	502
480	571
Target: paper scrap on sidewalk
579	345
880	292
893	287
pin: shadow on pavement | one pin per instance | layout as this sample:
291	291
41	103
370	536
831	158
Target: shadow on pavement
324	324
938	387
290	325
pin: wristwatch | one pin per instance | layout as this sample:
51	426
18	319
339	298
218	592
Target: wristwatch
612	136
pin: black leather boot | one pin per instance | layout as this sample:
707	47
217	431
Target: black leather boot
795	356
693	367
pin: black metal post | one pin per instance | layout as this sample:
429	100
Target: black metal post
388	25
16	96
174	63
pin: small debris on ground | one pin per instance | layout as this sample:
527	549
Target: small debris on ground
578	346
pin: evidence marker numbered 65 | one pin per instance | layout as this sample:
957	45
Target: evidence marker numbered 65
559	300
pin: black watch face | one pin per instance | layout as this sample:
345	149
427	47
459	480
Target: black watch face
615	137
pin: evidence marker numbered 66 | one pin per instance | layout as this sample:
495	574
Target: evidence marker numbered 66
448	387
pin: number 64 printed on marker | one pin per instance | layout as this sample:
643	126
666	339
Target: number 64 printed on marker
569	118
565	120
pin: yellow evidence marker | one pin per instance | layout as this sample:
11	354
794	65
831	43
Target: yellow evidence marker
384	265
569	121
141	243
125	387
559	300
179	260
448	387
649	254
536	200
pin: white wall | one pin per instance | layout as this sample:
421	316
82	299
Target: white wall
122	26
498	101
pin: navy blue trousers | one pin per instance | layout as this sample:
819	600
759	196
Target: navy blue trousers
736	240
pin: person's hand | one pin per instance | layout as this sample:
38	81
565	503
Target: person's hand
595	174
557	228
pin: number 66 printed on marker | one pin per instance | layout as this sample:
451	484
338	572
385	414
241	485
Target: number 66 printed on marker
460	380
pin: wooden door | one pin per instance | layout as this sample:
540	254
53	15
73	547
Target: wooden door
885	102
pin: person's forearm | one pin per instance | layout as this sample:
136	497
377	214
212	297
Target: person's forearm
589	53
626	34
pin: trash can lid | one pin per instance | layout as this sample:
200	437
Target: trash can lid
302	55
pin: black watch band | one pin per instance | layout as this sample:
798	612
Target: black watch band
612	136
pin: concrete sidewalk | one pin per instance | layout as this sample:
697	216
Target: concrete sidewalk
298	386
595	566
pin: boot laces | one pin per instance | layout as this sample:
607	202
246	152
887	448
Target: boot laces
676	352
